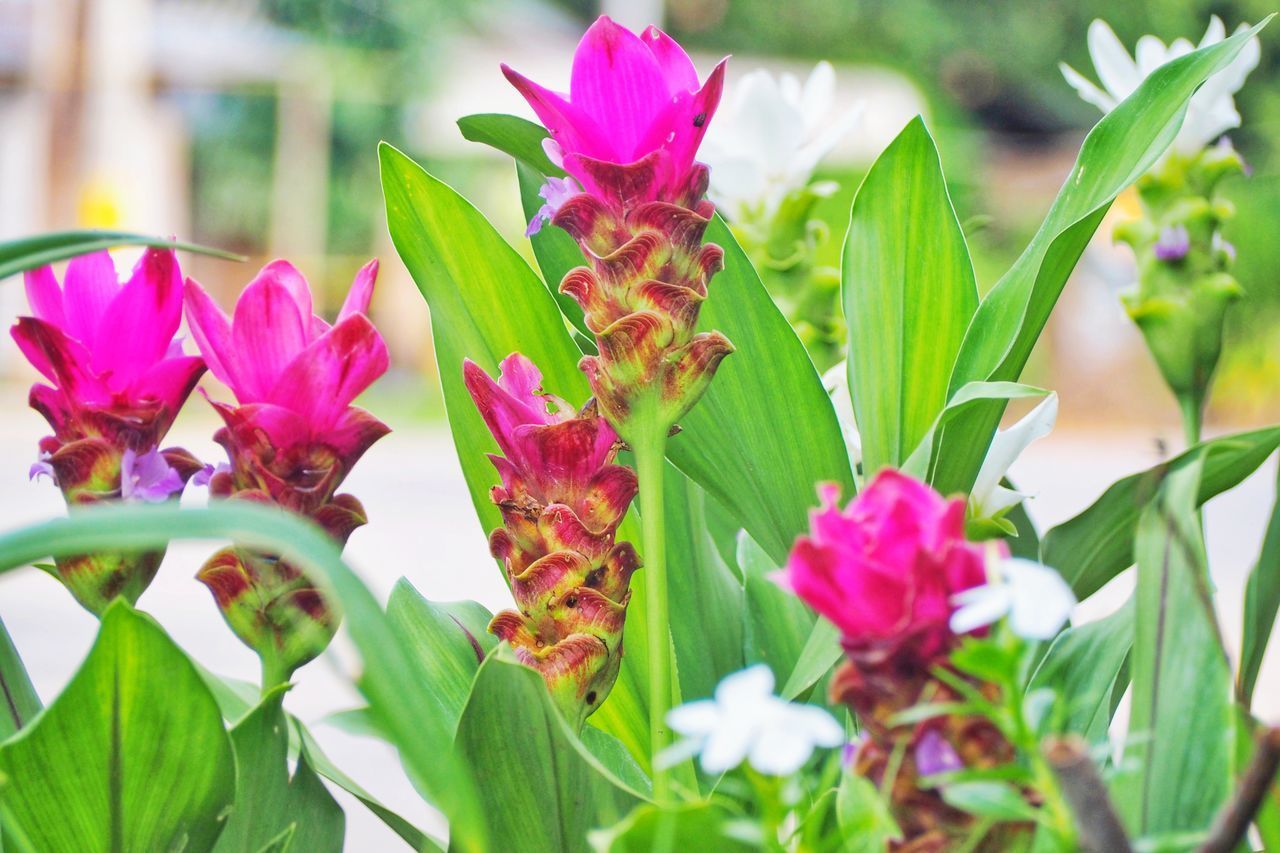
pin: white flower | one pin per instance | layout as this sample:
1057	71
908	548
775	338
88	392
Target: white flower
1036	599
836	382
1212	110
745	721
769	137
988	498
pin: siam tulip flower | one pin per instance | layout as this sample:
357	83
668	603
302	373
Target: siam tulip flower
989	501
887	571
1035	598
561	499
747	722
634	101
1173	244
1212	110
884	569
770	136
291	441
118	380
628	133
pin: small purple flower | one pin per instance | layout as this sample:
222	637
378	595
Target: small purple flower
147	477
206	474
43	468
849	754
1174	243
1224	247
556	191
934	755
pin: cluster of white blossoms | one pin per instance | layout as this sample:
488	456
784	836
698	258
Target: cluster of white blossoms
1212	111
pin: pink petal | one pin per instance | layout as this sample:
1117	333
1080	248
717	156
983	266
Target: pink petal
323	379
212	332
357	301
136	329
270	329
170	381
617	81
44	296
682	124
568	125
60	358
677	68
353	433
89	286
53	405
507	403
282	427
292	279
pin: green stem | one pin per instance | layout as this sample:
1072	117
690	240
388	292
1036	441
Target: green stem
273	673
1192	414
650	461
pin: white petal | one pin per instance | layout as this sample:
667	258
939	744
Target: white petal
695	719
744	689
821	728
1006	447
1042	600
727	746
1116	69
980	607
818	95
1151	54
679	751
1088	92
1215	32
781	752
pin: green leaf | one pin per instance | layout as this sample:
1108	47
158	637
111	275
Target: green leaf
909	291
445	643
1097	544
131	756
777	622
555	251
820	653
18	699
995	800
925	458
702	825
268	803
393	679
520	138
1119	149
1086	668
41	250
543	790
764	474
864	818
1181	726
1261	600
487	303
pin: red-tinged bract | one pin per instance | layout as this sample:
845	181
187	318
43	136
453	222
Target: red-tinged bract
628	133
885	570
561	499
117	378
291	441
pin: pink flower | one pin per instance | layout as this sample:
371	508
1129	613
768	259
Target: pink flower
885	568
293	374
549	452
631	98
148	477
109	350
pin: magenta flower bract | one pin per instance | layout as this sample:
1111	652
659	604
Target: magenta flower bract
631	98
885	568
108	349
293	374
291	441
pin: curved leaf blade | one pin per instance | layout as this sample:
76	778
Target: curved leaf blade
43	249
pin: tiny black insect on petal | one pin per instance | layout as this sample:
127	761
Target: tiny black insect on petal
700	119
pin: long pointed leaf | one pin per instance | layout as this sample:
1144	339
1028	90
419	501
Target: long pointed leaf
1261	600
31	252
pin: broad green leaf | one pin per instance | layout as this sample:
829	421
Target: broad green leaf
690	826
765	432
131	756
393	679
820	653
925	457
1027	543
777	623
1119	149
705	598
1181	726
909	292
1097	544
543	790
487	303
41	250
996	800
1261	600
1086	667
20	702
449	648
615	758
268	802
864	818
555	251
520	138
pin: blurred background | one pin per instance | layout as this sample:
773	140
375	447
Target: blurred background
252	125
